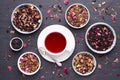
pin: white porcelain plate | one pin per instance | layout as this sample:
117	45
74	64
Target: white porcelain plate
69	38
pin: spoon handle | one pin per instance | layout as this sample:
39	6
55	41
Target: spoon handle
42	50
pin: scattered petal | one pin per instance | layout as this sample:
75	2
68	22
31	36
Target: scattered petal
25	45
66	2
42	77
99	66
12	31
49	11
105	72
114	18
65	70
116	60
118	75
9	68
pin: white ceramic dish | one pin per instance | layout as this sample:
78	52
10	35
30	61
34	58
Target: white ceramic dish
12	16
24	71
12	46
86	74
70	45
114	34
72	25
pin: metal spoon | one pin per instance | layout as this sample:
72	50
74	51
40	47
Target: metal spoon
42	50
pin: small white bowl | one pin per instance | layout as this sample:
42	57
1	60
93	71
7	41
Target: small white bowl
24	71
114	34
12	16
71	24
12	46
88	73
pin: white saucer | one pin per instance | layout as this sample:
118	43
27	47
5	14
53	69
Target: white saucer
69	38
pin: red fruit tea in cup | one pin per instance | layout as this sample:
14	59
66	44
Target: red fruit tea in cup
55	42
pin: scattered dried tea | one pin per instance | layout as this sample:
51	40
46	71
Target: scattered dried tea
54	12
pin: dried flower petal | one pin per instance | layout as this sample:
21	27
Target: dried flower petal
25	45
114	18
118	75
99	66
12	31
9	68
66	2
42	77
116	60
65	70
49	11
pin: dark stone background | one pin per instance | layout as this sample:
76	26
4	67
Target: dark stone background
109	71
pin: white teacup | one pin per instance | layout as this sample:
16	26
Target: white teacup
54	44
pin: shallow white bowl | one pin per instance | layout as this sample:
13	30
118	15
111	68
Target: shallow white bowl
11	44
24	71
12	16
72	25
114	34
95	63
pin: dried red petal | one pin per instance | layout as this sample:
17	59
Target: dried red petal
99	66
114	18
116	60
49	11
25	45
65	70
9	68
66	2
42	77
118	75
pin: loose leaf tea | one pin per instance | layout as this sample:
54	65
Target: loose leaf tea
29	63
84	63
27	18
77	15
100	37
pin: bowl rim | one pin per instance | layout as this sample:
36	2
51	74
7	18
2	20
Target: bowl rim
12	16
114	34
24	71
11	43
80	5
95	63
